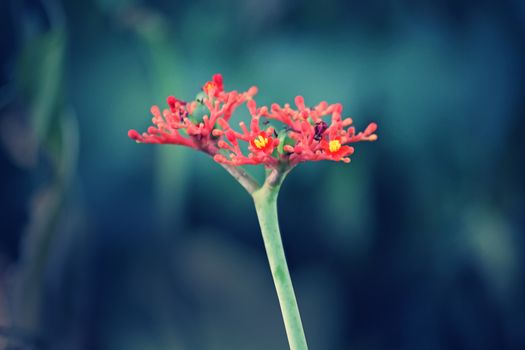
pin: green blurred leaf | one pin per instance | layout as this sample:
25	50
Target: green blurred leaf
40	77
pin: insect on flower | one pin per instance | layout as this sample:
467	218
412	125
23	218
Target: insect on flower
320	128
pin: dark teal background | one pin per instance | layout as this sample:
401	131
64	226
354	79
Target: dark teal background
417	244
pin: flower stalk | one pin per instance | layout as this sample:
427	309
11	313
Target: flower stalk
265	200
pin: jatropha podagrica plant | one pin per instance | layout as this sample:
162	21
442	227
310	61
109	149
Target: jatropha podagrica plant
278	137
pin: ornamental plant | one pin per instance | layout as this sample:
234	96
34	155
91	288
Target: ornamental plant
276	137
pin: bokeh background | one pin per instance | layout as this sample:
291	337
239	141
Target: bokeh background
417	244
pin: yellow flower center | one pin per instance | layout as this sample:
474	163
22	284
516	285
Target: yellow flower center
334	145
260	142
209	85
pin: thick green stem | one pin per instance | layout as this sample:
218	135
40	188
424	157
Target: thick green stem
266	205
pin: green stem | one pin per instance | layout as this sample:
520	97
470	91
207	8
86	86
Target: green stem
245	179
266	206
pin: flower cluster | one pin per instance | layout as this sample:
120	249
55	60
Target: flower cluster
191	123
274	135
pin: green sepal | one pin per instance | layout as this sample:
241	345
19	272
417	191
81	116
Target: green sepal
199	112
200	97
284	139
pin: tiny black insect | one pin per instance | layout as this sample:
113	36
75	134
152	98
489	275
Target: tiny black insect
320	128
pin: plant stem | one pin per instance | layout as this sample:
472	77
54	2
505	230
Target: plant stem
245	179
266	206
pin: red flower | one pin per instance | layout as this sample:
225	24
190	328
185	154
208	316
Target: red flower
310	134
260	146
214	87
262	143
333	150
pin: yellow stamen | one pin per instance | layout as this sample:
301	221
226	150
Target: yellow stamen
334	145
209	85
260	142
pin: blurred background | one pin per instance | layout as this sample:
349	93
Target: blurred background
417	244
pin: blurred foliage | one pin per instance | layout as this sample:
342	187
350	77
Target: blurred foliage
418	243
38	113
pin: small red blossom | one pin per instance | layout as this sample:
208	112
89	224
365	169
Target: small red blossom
214	87
333	150
262	143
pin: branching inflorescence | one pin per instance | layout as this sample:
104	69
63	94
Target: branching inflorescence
306	134
278	138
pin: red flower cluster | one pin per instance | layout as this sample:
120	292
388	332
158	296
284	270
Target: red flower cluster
303	135
191	123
